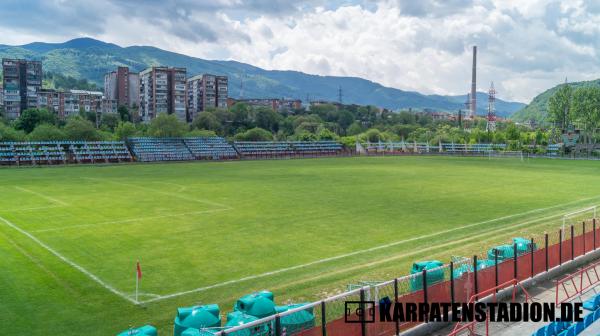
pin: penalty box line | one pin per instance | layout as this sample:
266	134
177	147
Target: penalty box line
376	248
68	261
48	198
161	192
129	220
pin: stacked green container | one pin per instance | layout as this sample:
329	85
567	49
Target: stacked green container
298	321
197	317
259	304
433	276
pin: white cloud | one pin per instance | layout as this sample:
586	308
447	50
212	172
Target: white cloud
525	46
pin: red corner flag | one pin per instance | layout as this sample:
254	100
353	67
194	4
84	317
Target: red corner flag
139	270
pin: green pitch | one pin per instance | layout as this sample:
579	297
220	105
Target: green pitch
211	232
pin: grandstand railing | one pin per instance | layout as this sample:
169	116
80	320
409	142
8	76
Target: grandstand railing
289	149
463	280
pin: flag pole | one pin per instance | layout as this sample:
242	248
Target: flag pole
137	281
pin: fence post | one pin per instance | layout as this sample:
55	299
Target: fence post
475	276
496	267
363	325
395	301
560	246
583	237
425	286
277	325
515	260
546	248
452	282
594	228
323	319
531	249
572	242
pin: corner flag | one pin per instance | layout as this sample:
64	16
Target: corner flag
138	271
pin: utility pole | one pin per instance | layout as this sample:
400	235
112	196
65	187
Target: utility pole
340	94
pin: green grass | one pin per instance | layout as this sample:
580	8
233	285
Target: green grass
193	225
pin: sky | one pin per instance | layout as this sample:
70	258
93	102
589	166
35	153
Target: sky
525	46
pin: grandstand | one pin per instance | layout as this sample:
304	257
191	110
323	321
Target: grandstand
62	152
160	149
213	148
272	149
99	151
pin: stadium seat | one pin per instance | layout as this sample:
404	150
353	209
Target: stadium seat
588	320
596	314
593	303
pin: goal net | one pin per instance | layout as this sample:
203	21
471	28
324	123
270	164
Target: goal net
505	154
577	217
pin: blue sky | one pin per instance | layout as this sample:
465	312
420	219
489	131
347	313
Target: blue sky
525	46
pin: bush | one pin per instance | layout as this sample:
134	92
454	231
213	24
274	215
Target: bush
46	132
167	126
78	128
30	118
8	133
125	130
254	134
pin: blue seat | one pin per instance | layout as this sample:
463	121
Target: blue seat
579	327
588	320
596	314
592	303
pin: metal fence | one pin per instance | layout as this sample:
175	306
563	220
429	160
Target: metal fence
462	278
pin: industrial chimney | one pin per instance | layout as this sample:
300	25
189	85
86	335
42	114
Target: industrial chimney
473	104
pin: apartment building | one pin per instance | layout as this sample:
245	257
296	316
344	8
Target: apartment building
69	103
206	91
162	90
22	81
277	105
123	86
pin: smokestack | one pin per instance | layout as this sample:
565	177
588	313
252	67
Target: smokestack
474	84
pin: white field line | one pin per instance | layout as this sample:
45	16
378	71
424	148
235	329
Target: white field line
67	261
162	192
52	199
127	220
320	261
30	209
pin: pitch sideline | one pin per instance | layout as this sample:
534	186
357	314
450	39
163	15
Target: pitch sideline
67	261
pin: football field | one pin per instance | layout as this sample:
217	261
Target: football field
210	232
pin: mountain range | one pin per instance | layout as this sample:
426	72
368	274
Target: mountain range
87	58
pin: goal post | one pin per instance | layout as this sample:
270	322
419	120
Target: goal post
578	216
505	154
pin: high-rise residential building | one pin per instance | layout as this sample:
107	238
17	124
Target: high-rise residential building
22	81
123	86
69	103
162	90
206	91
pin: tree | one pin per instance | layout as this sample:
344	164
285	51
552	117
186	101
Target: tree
373	135
354	129
167	126
266	118
125	130
78	128
325	134
559	106
123	112
255	134
345	119
30	118
585	107
110	120
8	133
207	121
46	132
